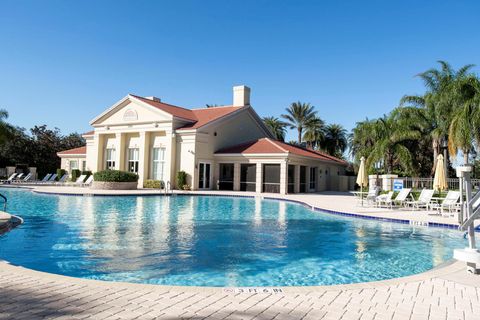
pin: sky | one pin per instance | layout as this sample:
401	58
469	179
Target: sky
64	62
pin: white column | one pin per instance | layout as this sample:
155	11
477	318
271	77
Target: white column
297	179
120	151
98	151
259	178
283	177
170	158
236	176
144	158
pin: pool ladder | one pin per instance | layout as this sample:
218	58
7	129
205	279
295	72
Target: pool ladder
4	202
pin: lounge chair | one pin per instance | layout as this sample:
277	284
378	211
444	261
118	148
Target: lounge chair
80	180
23	179
19	176
450	203
424	200
53	178
88	182
10	179
46	178
384	199
400	200
372	194
62	179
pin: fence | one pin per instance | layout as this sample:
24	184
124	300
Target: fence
427	183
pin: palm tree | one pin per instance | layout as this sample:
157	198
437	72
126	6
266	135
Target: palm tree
4	127
276	126
463	130
335	140
436	103
314	132
298	115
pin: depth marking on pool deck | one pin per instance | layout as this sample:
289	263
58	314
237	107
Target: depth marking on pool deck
253	290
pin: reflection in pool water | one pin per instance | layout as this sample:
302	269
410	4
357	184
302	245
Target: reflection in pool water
213	241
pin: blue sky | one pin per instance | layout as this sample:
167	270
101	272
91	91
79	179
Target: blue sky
64	62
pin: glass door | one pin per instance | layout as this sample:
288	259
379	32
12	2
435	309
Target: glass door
203	175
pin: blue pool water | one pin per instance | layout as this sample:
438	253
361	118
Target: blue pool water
213	241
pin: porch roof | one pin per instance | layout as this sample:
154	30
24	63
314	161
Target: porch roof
270	146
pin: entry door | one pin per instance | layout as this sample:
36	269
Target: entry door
204	175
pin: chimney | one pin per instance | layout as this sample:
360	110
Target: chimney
241	96
153	98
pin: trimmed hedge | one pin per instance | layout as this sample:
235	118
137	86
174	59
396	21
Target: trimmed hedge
181	179
75	174
115	176
60	173
154	184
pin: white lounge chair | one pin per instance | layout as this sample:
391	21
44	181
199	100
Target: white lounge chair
399	200
62	179
10	179
450	203
424	200
384	199
372	194
53	178
19	176
46	178
80	180
27	178
88	182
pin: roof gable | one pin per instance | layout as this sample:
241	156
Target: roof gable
207	115
131	110
75	151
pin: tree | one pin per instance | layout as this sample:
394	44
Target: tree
314	132
335	142
298	116
436	104
276	127
463	130
4	127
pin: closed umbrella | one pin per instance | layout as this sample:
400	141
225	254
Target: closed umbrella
440	179
362	178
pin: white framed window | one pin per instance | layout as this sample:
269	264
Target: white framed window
158	164
73	164
313	178
110	159
133	159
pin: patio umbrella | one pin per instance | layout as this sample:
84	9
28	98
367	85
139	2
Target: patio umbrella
362	178
440	179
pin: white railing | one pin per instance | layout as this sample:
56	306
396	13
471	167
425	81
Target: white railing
427	183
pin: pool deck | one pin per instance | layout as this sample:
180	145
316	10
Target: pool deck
446	292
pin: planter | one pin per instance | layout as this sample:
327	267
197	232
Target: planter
102	185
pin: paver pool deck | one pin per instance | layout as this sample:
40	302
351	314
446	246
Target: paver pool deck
446	292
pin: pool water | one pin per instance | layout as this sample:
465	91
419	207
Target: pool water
213	241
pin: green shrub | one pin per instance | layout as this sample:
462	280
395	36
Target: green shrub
154	184
75	174
181	179
115	176
60	173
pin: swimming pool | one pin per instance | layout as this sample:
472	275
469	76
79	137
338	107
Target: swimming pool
213	241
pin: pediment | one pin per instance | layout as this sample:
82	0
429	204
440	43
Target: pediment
130	111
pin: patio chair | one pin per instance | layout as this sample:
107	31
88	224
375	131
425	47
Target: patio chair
400	199
384	199
450	203
27	178
46	178
424	200
10	179
88	182
80	180
19	176
52	179
372	194
23	179
63	179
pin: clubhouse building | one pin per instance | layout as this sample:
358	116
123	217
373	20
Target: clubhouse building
224	147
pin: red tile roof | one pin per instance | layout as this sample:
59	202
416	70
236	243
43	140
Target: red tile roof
89	133
198	117
75	151
207	115
267	145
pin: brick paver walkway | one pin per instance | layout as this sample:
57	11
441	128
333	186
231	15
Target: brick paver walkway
445	293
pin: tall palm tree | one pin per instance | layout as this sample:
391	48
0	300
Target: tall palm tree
463	130
298	115
314	132
336	141
276	126
436	103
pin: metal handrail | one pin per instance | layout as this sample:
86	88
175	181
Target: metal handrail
5	202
